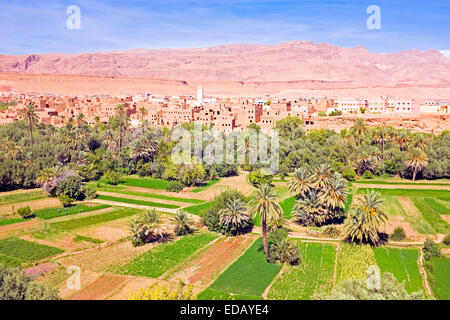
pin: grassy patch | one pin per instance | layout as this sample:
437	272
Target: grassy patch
249	275
165	256
92	220
406	183
147	183
79	238
205	186
287	206
437	206
353	261
315	272
431	216
154	196
200	209
394	206
402	263
440	194
438	270
4	222
138	202
50	213
16	250
210	294
22	197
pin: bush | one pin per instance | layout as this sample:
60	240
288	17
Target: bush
349	174
182	221
65	200
89	192
446	240
367	175
174	186
431	249
257	178
277	235
331	231
113	178
398	234
15	285
284	251
145	227
145	170
71	187
25	212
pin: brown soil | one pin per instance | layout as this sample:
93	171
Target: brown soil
41	269
202	270
400	186
110	231
66	243
87	278
446	217
34	205
101	288
7	193
118	195
237	182
8	230
411	234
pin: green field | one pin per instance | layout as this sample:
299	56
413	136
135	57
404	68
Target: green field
50	213
147	183
205	186
315	272
14	251
402	263
79	238
4	222
427	193
95	219
200	209
152	195
287	206
165	256
353	261
249	275
393	206
22	197
431	216
139	202
406	183
438	270
437	206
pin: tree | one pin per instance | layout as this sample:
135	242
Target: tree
301	183
357	289
264	205
143	112
15	285
234	216
29	114
365	219
145	227
182	223
285	251
11	150
416	160
360	128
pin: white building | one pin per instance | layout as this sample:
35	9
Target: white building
200	96
401	106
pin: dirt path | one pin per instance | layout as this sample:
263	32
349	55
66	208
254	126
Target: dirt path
203	270
34	205
186	194
7	193
119	195
237	182
428	291
400	186
130	205
103	287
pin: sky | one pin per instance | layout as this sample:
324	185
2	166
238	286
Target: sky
34	26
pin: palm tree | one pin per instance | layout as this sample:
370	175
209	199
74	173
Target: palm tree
302	181
309	210
121	123
365	218
336	192
360	128
321	177
11	150
143	111
29	114
265	205
402	140
416	160
145	227
182	223
234	215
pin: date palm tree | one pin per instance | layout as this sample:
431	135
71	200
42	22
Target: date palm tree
143	112
301	182
416	160
265	205
29	114
360	128
11	150
145	227
365	218
182	223
234	215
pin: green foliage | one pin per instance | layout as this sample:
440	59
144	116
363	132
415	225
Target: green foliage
446	240
146	183
71	187
431	216
79	238
285	251
349	174
113	178
398	234
182	224
26	251
205	186
277	235
65	200
21	197
331	231
357	289
50	213
174	186
431	249
145	227
15	285
438	270
25	212
353	261
402	263
315	272
165	256
367	175
90	192
249	275
428	193
200	209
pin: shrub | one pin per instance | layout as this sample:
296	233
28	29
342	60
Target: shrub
113	177
277	235
331	231
446	240
25	212
71	187
160	292
145	227
65	200
284	251
349	174
431	249
182	222
15	285
174	186
145	170
398	234
367	175
89	192
257	178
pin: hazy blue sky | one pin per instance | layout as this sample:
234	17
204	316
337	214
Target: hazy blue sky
40	26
